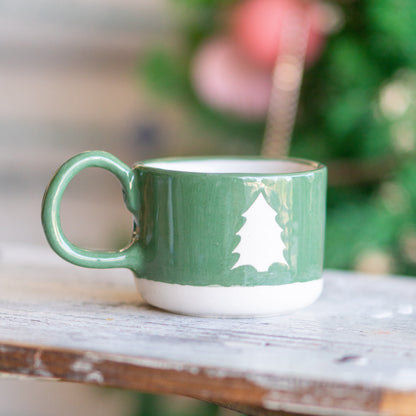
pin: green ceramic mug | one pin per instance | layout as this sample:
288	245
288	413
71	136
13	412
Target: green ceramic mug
217	236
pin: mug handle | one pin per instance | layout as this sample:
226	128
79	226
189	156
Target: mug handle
129	257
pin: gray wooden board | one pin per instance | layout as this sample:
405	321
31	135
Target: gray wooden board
361	332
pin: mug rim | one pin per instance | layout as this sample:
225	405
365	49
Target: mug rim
148	165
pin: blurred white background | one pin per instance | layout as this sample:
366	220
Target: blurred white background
68	84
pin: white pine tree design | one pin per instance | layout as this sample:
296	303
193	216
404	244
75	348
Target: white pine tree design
261	243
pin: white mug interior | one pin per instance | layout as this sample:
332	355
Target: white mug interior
233	165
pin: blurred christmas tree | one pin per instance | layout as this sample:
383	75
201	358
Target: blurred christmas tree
357	109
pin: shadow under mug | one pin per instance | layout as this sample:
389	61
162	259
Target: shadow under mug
214	236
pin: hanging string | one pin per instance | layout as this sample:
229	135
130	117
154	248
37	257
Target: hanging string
287	80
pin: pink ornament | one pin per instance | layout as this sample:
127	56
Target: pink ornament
225	80
257	27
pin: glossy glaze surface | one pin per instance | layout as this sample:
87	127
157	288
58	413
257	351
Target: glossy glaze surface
129	257
192	224
207	229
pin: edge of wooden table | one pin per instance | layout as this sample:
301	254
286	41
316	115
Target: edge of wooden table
230	389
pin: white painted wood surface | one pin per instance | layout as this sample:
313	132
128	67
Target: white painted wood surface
357	341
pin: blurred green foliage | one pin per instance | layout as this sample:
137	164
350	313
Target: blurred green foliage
155	405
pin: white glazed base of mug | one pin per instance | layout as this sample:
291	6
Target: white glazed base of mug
234	301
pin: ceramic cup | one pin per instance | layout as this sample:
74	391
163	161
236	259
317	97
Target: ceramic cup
218	236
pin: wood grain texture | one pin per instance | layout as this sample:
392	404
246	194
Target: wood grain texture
351	353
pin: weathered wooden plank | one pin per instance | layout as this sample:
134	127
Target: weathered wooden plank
231	388
351	353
